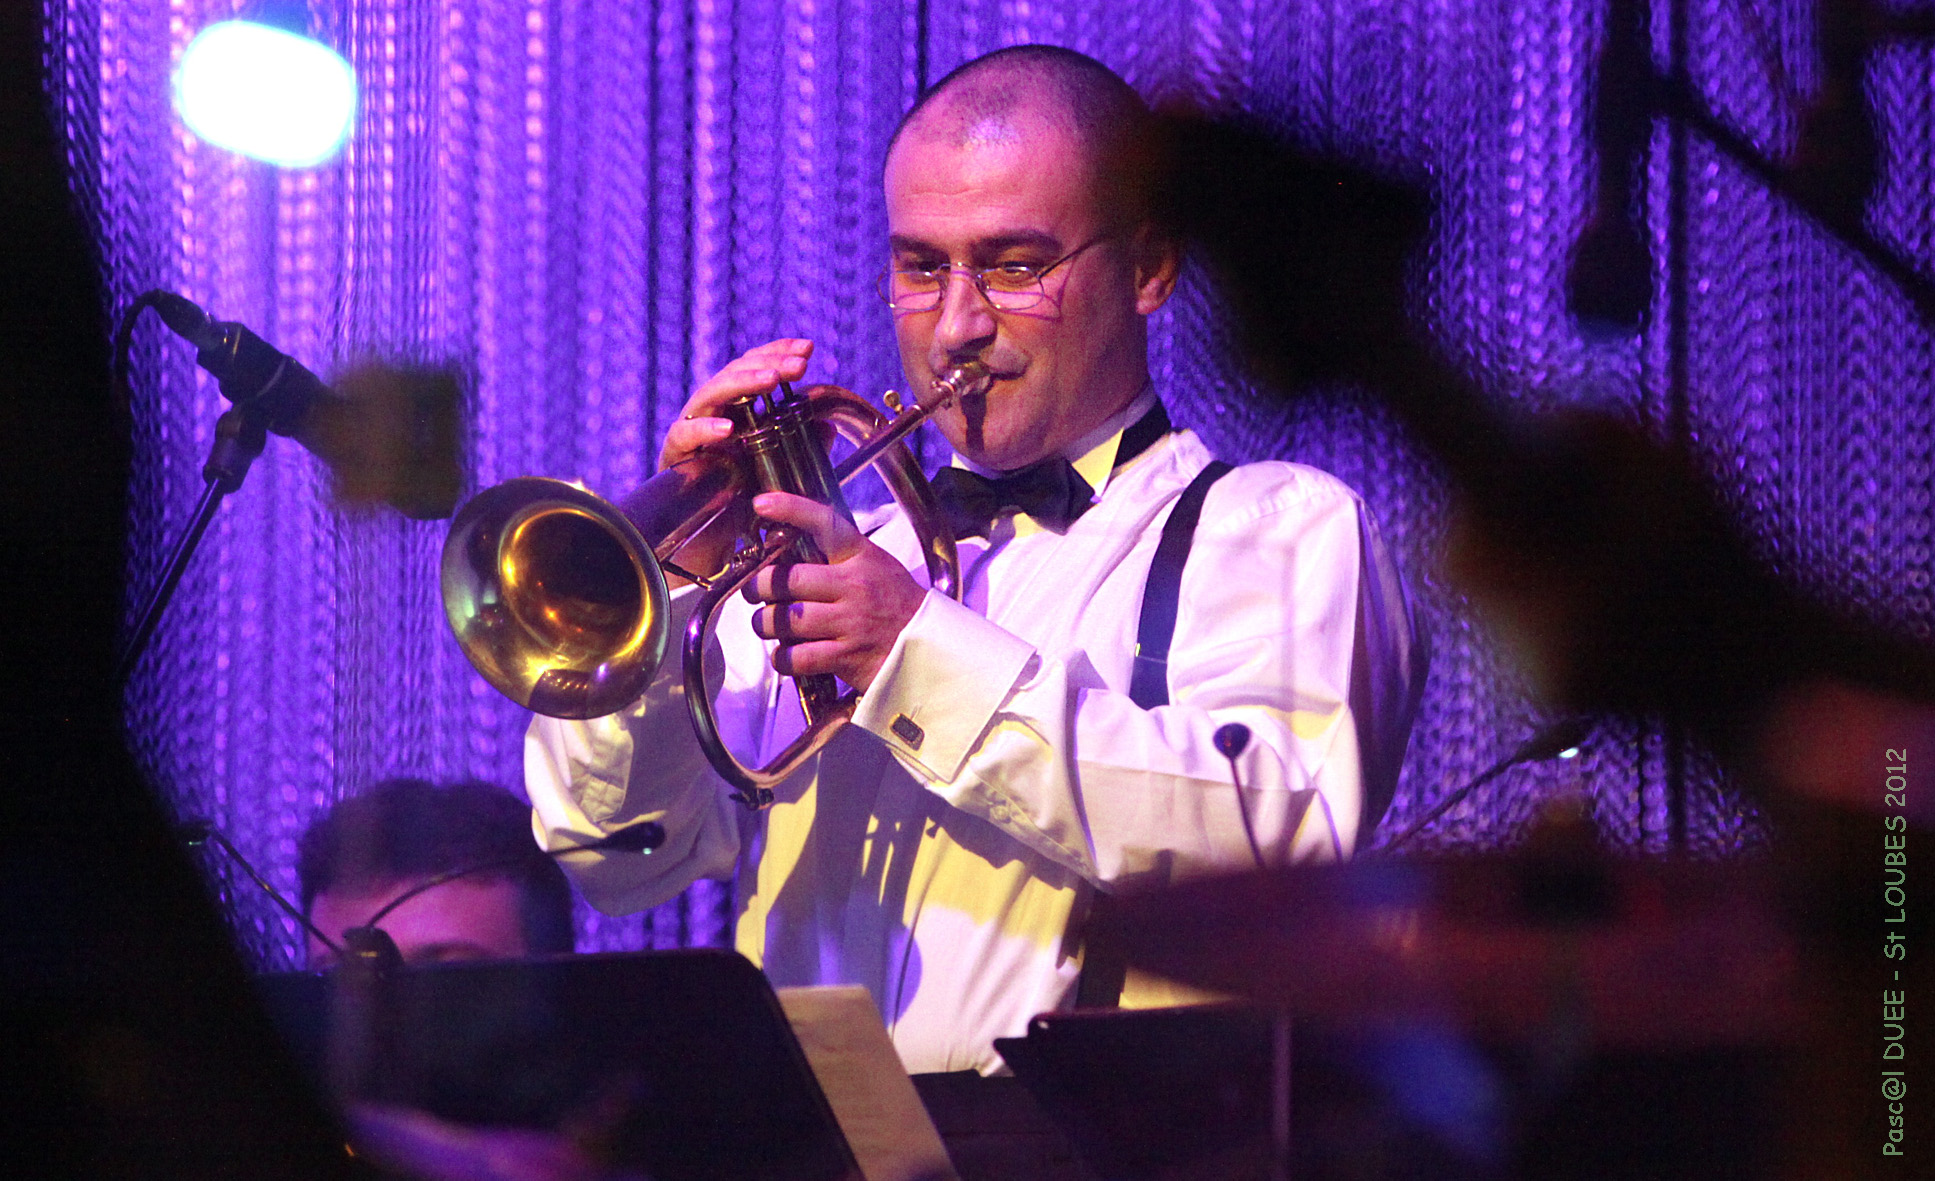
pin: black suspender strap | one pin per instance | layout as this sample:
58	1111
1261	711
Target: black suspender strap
1103	967
1149	680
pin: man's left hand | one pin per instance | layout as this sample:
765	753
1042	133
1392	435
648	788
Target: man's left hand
842	617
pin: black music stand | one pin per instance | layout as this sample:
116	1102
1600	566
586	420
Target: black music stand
1153	1093
1184	1094
692	1045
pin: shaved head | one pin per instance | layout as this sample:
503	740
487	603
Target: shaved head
984	103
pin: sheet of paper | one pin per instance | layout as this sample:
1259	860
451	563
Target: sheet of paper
846	1044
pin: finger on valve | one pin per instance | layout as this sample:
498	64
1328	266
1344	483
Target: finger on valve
753	372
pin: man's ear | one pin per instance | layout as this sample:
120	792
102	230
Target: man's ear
1158	260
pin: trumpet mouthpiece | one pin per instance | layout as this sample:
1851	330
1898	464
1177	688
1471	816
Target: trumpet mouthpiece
965	380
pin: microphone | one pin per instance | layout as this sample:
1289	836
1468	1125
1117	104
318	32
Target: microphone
641	837
1837	156
255	375
1609	278
1230	741
390	435
1552	741
1548	742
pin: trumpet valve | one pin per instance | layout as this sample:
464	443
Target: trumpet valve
892	399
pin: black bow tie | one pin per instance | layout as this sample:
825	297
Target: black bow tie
1051	492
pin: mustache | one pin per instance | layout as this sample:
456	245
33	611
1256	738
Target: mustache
973	408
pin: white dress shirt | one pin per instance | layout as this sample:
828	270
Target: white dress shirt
942	850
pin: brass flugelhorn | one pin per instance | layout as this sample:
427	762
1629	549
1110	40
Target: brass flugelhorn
559	597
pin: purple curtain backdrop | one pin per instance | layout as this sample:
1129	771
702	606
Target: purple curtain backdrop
590	204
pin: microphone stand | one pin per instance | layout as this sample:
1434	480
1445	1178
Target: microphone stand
364	1015
200	832
240	434
239	438
272	391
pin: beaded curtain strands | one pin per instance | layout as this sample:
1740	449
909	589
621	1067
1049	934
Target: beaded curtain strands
589	204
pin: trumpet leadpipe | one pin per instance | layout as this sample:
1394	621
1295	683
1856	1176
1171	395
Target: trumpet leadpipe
965	380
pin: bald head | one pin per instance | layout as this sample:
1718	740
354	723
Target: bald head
990	100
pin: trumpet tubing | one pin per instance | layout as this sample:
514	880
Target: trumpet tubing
559	598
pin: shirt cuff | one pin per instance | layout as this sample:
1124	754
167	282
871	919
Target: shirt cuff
947	674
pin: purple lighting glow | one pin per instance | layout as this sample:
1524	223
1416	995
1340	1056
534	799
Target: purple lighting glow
589	204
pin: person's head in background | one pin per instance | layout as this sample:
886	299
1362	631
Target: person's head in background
377	845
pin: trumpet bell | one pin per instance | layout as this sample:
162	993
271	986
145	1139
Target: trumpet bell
559	599
555	597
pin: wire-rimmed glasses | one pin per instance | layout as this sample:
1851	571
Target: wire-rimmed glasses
1007	286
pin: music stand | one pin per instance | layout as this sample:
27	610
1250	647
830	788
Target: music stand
691	1046
1186	1093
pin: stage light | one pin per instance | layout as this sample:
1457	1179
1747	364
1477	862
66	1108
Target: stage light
267	93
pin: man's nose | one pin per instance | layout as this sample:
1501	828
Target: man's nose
967	322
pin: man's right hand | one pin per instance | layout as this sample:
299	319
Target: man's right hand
753	372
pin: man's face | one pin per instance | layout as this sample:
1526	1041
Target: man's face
466	919
1020	190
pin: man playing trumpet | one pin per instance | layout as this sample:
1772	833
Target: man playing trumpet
1006	765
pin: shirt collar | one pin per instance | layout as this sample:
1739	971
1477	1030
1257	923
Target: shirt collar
1093	455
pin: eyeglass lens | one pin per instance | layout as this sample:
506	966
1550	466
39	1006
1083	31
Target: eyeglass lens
923	290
